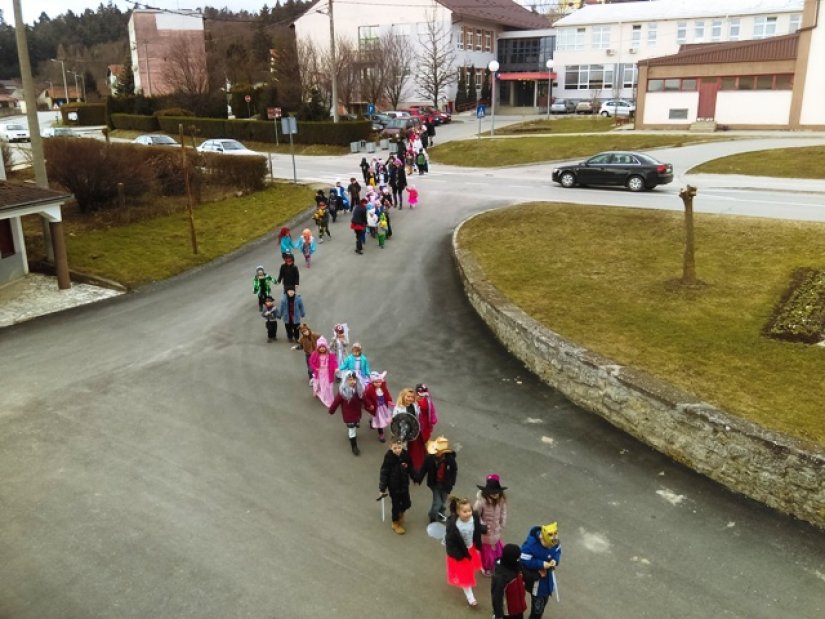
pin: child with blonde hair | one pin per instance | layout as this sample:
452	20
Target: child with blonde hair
306	245
463	543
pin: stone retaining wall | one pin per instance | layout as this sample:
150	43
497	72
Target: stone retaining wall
784	473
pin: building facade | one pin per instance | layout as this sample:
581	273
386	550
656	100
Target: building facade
599	46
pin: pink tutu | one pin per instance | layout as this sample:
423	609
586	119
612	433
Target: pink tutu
489	554
382	417
463	573
322	388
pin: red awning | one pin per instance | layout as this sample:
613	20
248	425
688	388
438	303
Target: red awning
527	75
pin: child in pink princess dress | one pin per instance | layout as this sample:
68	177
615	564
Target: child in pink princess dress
379	403
413	196
323	365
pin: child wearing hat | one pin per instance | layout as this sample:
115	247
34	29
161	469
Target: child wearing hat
396	470
270	314
261	286
540	555
491	505
350	399
321	218
507	588
323	365
441	469
379	402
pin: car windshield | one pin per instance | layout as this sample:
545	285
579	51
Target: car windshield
397	123
162	139
15	127
232	145
600	159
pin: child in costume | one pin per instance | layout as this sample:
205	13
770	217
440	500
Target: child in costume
507	589
270	314
379	400
261	286
285	241
405	403
323	365
540	556
358	363
382	229
396	470
288	274
339	343
463	542
372	221
306	245
291	311
307	342
491	505
441	469
321	217
351	400
412	200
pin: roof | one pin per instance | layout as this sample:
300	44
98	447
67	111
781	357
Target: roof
15	195
663	10
504	12
115	69
762	50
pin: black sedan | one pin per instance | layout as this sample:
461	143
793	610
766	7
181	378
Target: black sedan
636	171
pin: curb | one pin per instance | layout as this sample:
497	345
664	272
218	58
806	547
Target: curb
780	471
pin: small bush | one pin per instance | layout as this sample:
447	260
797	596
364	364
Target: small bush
87	114
174	111
134	122
800	314
244	172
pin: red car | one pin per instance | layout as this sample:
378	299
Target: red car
429	114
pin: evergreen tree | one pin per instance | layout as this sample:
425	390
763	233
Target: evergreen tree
125	81
461	90
471	85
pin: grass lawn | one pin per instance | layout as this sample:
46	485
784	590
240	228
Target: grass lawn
565	124
490	153
159	247
264	147
802	162
603	277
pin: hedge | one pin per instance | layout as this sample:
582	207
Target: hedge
264	131
800	314
87	114
134	122
245	172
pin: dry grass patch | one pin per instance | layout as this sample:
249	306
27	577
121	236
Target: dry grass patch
603	278
800	162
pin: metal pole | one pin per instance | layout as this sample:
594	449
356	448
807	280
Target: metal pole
493	103
189	198
334	62
549	91
292	152
65	86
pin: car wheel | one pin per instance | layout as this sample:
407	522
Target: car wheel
605	113
568	180
636	183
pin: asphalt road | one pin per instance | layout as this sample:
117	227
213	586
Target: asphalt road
160	459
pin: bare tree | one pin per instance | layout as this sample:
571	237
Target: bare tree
398	58
346	71
185	69
436	60
311	71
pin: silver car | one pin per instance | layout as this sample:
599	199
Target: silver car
563	106
155	139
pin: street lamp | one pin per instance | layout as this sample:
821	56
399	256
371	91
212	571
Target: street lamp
549	65
493	67
65	85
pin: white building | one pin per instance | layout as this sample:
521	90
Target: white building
598	46
472	28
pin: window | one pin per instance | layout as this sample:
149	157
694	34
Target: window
677	113
794	23
588	77
764	27
764	82
461	38
733	30
655	85
784	82
728	83
401	30
716	30
688	85
600	37
367	38
681	32
479	40
636	36
570	39
698	31
629	76
746	82
468	39
488	40
6	239
673	85
651	35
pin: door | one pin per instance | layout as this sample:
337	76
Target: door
596	171
707	98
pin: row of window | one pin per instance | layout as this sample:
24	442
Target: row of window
782	81
573	39
475	39
535	51
600	76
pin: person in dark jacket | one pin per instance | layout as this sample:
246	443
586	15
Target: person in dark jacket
291	311
507	587
358	223
354	191
396	471
288	274
440	469
350	398
540	556
365	170
463	543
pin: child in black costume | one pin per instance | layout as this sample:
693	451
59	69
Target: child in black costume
395	478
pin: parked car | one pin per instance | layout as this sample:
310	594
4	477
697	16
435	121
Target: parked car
399	127
636	171
379	121
397	113
428	113
227	147
563	106
585	107
14	132
60	132
155	139
618	107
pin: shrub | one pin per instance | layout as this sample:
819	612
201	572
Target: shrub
174	111
91	170
201	127
134	122
800	314
166	168
244	172
87	114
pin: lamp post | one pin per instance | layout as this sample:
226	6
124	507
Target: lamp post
493	67
65	85
549	65
76	84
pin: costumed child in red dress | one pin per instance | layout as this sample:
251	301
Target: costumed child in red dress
323	365
427	418
463	542
351	400
406	403
379	402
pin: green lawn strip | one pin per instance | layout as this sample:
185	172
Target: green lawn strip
264	147
493	152
158	248
603	277
555	125
801	162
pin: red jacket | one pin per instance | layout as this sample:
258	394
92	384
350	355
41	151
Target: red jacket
371	400
350	409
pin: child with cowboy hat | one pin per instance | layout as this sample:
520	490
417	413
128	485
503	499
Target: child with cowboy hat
440	469
491	505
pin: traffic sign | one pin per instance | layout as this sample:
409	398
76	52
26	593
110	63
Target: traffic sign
278	112
481	111
289	126
370	109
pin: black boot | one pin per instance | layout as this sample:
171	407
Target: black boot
354	443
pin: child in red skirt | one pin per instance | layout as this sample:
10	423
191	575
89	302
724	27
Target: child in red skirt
463	542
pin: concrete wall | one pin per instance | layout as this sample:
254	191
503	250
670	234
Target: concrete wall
784	473
753	107
658	105
14	267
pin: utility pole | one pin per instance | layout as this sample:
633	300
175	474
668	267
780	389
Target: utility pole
333	61
189	197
